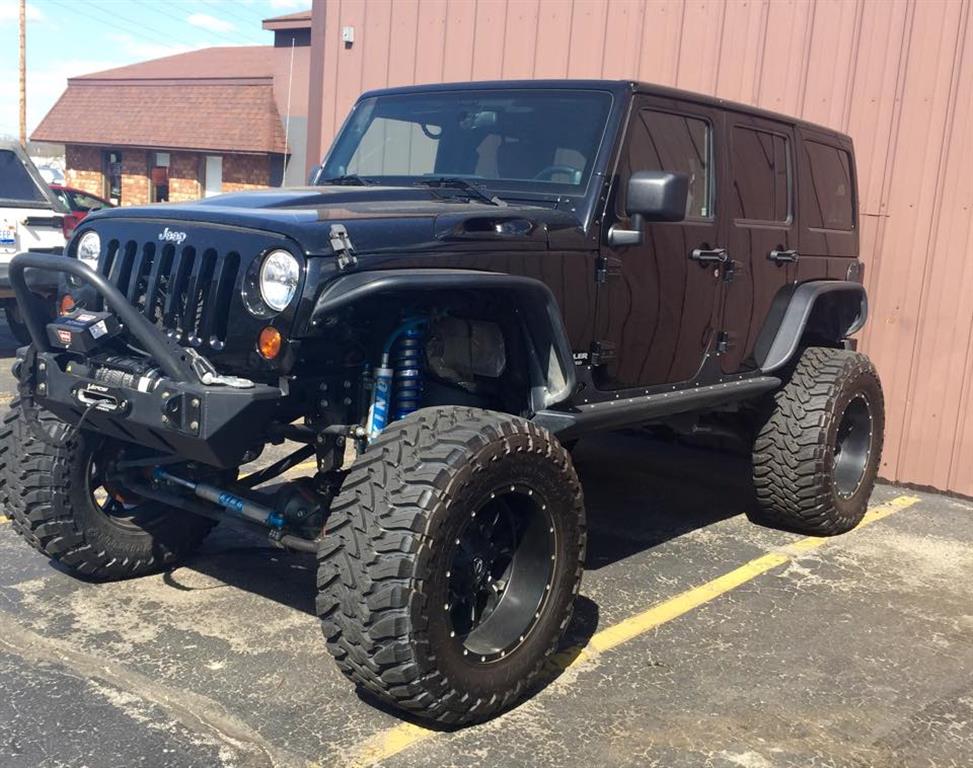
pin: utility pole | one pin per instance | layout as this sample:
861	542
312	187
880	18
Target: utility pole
23	72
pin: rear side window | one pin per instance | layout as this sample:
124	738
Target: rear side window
831	203
664	141
15	183
761	175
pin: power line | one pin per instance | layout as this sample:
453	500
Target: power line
225	9
84	11
184	20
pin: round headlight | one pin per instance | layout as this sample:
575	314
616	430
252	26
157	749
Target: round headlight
278	279
89	249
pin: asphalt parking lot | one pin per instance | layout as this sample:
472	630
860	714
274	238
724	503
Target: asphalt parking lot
699	640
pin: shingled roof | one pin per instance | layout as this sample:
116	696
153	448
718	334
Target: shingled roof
215	99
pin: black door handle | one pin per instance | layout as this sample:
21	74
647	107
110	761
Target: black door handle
709	255
784	257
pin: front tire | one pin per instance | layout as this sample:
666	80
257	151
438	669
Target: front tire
59	503
451	561
816	458
16	324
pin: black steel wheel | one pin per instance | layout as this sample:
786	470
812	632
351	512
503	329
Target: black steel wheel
450	562
853	446
502	569
62	501
817	456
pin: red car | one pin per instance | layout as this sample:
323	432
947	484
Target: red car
79	202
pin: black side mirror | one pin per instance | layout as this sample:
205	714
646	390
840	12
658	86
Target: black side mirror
312	177
651	196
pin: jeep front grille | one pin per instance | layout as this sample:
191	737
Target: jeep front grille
185	291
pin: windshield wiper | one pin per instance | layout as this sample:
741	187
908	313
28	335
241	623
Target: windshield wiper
348	179
458	182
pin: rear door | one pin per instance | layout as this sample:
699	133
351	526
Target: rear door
30	217
762	233
658	304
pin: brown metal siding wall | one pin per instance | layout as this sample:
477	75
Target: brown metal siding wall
895	74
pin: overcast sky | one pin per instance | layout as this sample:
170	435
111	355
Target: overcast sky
66	38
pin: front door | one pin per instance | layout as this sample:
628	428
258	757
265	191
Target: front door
658	302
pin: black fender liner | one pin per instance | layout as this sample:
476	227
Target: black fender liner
552	373
792	310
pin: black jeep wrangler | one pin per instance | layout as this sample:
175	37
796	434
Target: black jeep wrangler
477	276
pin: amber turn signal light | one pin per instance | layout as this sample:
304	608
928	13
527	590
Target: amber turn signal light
268	343
66	305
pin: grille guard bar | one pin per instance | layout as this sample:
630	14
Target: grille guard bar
172	359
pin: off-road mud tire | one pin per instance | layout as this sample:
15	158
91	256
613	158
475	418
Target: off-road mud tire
7	420
51	508
794	452
385	546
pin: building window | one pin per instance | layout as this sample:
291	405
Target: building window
213	176
159	174
761	175
113	176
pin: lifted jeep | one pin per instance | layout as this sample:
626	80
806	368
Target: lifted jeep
477	276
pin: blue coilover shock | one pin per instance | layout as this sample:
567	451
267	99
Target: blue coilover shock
407	363
399	386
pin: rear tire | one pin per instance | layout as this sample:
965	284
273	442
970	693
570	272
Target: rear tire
816	458
53	505
449	509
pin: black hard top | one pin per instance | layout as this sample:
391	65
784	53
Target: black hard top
621	88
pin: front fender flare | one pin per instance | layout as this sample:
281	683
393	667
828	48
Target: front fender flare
552	373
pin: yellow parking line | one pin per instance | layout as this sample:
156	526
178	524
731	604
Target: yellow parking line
4	520
304	466
399	738
389	743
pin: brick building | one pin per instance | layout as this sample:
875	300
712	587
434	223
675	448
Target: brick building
191	125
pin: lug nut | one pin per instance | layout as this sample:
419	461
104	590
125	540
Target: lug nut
194	425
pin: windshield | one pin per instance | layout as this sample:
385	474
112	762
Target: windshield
520	140
16	183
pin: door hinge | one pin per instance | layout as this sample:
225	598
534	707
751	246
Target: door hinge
722	342
729	270
602	352
605	267
601	270
343	249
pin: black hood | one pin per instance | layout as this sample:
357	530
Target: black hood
378	219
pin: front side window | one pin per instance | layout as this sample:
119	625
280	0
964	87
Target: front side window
526	140
832	188
761	175
665	141
16	184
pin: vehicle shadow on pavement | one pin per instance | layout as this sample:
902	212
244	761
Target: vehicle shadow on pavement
641	491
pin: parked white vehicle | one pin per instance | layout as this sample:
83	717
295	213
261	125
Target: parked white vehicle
31	219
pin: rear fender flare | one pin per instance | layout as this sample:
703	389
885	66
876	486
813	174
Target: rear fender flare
552	374
794	308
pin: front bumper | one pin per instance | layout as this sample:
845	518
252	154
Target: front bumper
215	425
173	411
